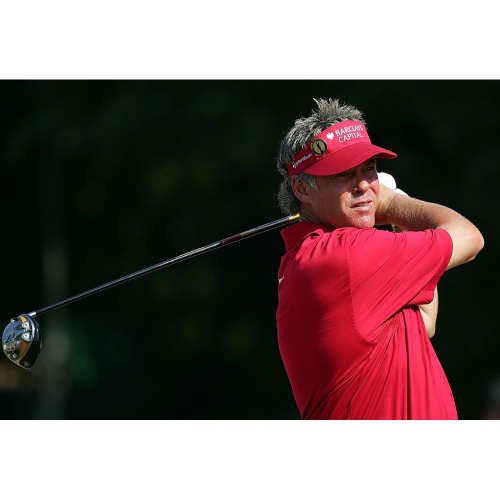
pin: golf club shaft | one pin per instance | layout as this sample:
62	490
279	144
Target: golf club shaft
161	265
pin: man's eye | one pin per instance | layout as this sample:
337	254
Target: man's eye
343	174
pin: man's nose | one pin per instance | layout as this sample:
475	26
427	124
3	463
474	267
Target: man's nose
361	185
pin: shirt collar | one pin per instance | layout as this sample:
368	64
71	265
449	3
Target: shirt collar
295	233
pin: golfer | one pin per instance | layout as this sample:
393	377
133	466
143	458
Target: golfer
352	298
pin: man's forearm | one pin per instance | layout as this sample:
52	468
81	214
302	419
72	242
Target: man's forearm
411	214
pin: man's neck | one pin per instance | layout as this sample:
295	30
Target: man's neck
308	215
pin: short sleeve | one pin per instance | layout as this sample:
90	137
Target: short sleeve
389	271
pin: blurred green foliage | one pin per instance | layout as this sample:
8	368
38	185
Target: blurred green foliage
119	175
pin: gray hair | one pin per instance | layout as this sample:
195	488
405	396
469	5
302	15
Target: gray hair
328	113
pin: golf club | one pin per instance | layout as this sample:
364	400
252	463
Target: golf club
21	339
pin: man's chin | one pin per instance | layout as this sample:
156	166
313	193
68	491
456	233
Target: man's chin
364	223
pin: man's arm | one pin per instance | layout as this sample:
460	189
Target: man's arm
429	311
429	314
411	214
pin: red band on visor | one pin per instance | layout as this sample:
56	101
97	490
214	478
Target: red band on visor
338	148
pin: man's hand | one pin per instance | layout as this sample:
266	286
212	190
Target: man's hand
385	198
388	180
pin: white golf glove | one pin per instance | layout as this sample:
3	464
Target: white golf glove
388	180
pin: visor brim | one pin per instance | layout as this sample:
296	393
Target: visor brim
347	158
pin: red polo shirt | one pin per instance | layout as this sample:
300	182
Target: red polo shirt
350	332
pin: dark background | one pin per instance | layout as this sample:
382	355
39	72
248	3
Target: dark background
102	178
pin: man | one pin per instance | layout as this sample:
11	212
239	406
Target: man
351	333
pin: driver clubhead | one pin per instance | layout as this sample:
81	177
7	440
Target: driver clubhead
22	342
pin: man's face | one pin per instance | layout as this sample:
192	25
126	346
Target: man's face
348	199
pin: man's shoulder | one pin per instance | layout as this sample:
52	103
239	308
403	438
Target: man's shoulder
305	232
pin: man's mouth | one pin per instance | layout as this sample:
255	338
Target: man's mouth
362	205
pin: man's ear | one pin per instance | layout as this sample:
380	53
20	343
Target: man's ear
301	189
